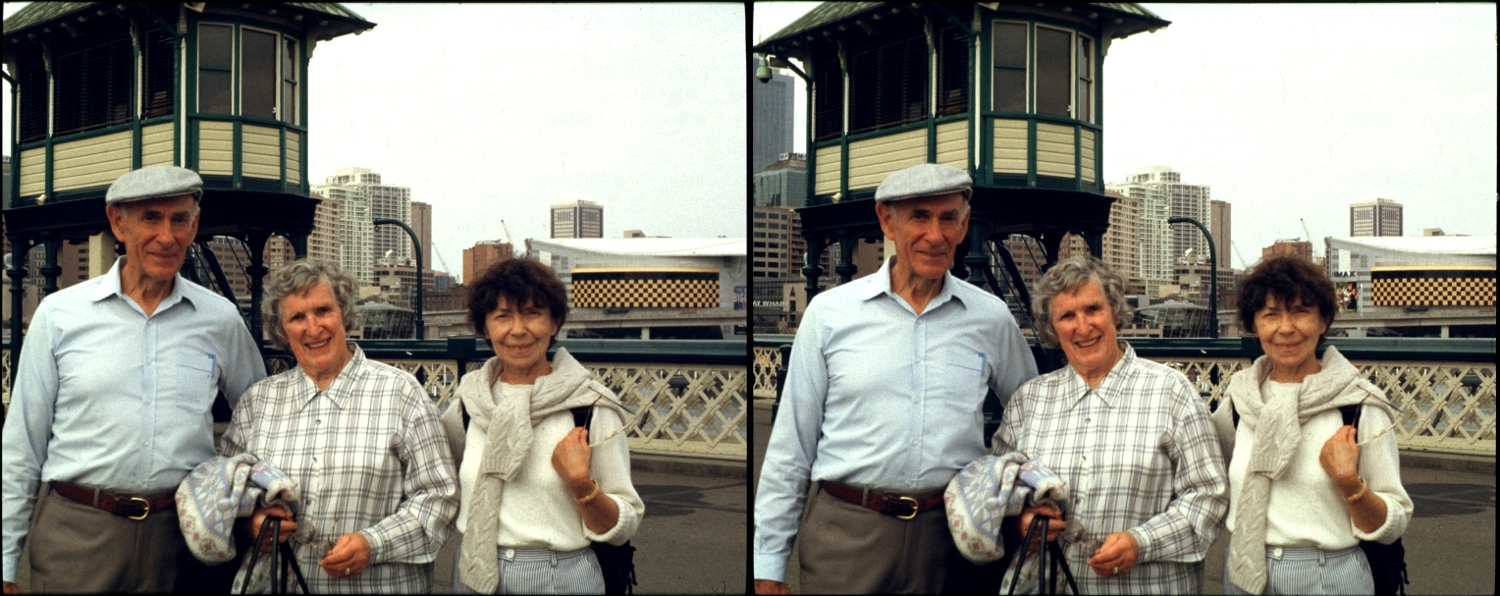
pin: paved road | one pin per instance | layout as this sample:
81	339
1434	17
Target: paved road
1450	544
692	539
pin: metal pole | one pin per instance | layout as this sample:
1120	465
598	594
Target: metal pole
421	326
1213	268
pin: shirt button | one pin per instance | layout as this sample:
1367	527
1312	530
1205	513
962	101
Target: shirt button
914	441
147	443
916	401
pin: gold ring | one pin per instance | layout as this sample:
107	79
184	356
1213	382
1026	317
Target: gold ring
346	571
1117	570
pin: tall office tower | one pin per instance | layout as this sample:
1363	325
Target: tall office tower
771	118
783	183
1163	196
421	223
482	255
1375	215
577	219
355	231
1220	229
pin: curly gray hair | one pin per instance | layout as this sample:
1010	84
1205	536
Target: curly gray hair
298	277
1067	275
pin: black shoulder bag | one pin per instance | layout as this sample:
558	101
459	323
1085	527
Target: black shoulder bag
616	562
1387	561
269	530
1045	584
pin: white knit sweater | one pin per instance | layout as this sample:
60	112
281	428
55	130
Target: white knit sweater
537	511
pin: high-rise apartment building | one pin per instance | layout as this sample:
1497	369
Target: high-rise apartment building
771	117
1164	196
771	242
421	223
577	219
482	255
1122	244
1219	227
1375	215
323	243
365	199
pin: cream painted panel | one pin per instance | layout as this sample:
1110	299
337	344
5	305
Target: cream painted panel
33	176
1054	150
90	162
828	164
215	148
156	145
260	170
871	160
293	158
953	144
1010	146
1086	145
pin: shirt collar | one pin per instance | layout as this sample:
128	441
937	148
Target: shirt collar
1112	388
882	285
340	391
110	286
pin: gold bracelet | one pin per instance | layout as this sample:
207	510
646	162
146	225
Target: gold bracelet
591	496
1363	488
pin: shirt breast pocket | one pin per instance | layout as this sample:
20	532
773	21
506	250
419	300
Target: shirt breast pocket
963	372
197	379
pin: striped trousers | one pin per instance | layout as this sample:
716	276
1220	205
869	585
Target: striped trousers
541	571
1311	570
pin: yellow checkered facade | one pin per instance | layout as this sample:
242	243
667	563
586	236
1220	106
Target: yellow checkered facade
1414	290
646	290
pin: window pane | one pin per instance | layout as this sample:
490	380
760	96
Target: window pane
215	46
1054	71
156	63
213	91
1010	90
289	63
1010	44
258	74
1085	80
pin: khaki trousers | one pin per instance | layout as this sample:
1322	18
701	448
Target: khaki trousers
78	548
847	549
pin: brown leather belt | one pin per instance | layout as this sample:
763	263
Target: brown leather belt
900	506
132	507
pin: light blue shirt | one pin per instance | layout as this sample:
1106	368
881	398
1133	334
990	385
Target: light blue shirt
106	396
879	396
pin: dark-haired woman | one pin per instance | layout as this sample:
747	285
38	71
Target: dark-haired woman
1303	492
535	489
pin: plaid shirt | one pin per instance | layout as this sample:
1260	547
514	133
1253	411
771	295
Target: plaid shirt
1138	454
369	456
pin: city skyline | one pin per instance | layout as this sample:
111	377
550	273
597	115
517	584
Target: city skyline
1294	112
641	109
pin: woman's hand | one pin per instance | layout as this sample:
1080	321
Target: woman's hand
1055	525
571	459
1340	460
348	557
257	519
1117	556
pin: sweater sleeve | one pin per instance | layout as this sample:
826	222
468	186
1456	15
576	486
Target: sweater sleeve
1380	466
610	466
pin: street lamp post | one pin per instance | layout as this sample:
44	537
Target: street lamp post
1213	269
421	326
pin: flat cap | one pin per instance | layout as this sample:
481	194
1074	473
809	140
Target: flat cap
154	182
924	180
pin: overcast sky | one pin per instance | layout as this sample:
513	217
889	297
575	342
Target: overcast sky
1294	111
493	112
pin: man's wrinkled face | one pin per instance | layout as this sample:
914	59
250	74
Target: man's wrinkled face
926	231
156	233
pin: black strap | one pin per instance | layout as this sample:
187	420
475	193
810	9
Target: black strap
271	527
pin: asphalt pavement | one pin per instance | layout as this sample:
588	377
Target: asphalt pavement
1450	542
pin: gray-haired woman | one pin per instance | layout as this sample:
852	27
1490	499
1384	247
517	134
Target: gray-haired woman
361	439
1129	436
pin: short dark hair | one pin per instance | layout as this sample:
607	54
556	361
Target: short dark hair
1291	278
520	282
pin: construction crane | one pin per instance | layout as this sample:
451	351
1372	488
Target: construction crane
1304	231
440	258
1236	248
507	233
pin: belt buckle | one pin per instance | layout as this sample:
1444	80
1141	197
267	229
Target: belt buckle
145	509
915	507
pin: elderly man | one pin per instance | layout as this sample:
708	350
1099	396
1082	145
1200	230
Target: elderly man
882	405
112	402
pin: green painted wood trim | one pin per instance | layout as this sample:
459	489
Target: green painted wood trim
234	82
887	131
1031	152
282	159
1078	158
812	151
843	168
135	96
931	87
47	176
306	49
1099	116
971	117
238	153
